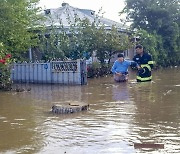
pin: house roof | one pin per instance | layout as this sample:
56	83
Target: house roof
66	13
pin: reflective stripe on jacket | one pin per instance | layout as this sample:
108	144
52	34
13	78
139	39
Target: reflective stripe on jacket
146	63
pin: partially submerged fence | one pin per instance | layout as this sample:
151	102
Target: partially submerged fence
61	72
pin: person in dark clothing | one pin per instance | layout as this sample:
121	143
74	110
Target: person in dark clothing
145	64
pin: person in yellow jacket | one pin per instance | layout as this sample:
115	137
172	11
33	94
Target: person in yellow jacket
145	64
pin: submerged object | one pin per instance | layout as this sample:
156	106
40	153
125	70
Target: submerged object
148	145
70	108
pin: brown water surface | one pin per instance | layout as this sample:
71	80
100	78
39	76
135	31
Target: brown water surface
120	115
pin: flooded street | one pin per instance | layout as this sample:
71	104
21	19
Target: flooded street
120	115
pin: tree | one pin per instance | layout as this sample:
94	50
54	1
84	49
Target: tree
153	44
19	21
83	38
18	26
115	42
159	18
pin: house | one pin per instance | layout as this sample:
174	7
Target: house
65	15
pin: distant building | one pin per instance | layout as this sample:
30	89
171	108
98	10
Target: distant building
66	13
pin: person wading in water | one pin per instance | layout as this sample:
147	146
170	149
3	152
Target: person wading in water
145	64
120	68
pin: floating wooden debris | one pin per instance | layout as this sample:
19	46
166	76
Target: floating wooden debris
21	90
70	108
148	145
18	88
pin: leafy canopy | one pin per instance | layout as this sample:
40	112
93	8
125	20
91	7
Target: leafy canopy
19	19
160	18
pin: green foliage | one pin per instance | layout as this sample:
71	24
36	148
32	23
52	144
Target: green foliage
160	18
18	32
97	70
115	42
5	60
72	44
19	20
82	39
149	41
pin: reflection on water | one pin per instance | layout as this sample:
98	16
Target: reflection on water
120	115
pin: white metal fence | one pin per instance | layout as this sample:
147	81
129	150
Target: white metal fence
61	72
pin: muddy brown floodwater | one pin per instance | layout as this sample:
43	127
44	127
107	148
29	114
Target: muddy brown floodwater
120	115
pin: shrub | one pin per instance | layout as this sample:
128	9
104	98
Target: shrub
5	60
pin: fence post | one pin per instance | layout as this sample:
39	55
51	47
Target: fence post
83	72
